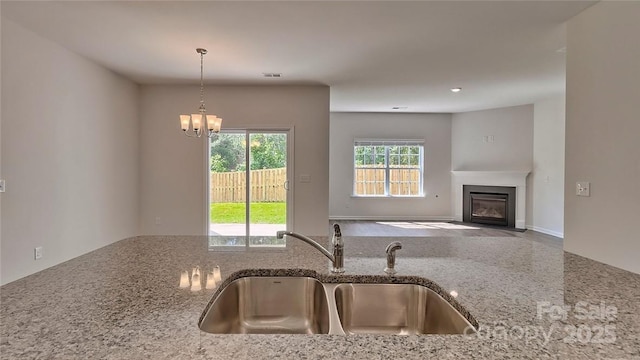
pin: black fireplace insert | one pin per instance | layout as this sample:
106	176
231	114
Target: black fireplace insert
491	205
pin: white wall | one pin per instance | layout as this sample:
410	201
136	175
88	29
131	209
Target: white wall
602	127
511	149
435	129
173	167
547	178
69	154
512	146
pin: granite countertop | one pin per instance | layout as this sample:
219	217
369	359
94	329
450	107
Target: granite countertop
531	299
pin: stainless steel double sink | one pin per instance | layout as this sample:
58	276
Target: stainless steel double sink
304	305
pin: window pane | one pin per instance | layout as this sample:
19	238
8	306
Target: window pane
380	156
393	159
364	155
367	156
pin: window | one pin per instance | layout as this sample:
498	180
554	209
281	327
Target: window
388	167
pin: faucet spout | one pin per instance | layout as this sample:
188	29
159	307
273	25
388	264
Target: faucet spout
308	240
391	257
336	258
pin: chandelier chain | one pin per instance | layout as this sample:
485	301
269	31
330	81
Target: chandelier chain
201	81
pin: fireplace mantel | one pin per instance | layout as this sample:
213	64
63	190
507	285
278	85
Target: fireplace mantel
518	179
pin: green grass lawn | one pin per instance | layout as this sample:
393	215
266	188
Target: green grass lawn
261	213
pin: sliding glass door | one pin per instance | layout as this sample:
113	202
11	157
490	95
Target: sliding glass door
248	187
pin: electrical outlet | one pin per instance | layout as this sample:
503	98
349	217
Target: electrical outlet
158	220
38	253
583	188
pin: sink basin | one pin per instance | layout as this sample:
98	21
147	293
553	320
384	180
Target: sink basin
269	305
396	309
305	305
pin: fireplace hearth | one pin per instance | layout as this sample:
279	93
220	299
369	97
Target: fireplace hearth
491	205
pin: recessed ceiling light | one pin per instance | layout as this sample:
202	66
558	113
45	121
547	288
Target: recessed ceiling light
457	89
272	75
400	107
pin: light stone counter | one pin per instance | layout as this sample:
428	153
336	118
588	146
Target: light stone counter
124	302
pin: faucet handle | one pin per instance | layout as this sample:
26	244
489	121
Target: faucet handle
336	230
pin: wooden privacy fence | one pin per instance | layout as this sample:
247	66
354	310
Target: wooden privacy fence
266	186
402	182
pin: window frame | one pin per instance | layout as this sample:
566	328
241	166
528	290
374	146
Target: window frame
388	167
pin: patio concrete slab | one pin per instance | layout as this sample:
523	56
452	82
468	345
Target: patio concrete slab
240	229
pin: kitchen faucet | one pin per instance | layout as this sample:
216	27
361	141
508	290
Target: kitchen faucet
337	258
391	257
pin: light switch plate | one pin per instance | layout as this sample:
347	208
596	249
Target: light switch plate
583	188
37	253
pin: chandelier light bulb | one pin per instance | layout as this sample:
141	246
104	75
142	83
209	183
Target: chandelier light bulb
184	280
195	280
216	274
196	121
211	281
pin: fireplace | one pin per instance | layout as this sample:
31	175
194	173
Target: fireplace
491	205
508	178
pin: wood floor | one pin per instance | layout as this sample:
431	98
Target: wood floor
435	229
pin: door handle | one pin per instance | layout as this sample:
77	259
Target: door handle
286	185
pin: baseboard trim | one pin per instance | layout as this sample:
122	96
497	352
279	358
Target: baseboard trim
546	231
393	218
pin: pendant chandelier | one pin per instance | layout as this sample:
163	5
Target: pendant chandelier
192	125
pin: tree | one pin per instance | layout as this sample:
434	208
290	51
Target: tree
227	153
268	151
375	155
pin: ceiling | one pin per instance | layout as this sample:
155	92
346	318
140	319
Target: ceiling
374	55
